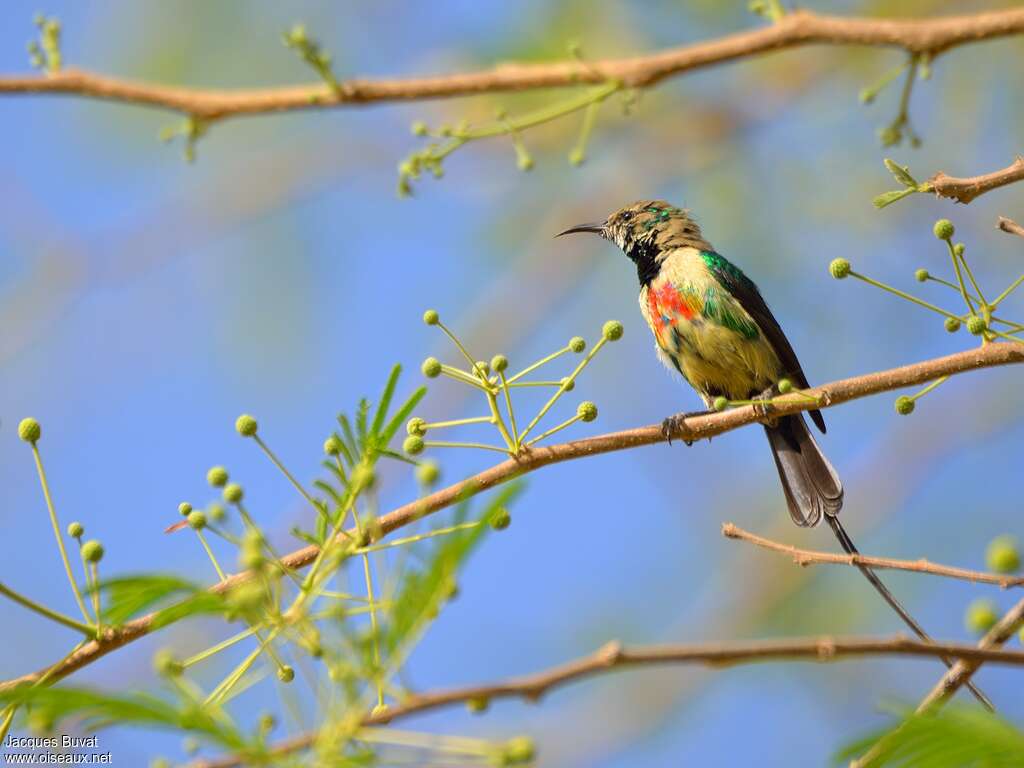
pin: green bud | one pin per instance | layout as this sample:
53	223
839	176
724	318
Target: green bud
587	411
478	704
524	162
1002	555
567	384
499	363
190	745
29	430
332	445
159	762
958	249
518	750
943	229
431	367
184	508
720	403
267	722
233	493
246	425
419	128
481	368
612	330
430	317
976	325
216	512
785	386
416	426
981	616
197	520
92	551
413	445
952	324
577	344
76	530
217	477
921	275
500	519
904	405
839	268
165	664
285	674
428	473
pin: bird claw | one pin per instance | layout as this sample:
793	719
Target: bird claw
763	409
673	426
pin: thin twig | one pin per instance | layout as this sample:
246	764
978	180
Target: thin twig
795	29
614	656
964	190
805	557
693	428
1010	226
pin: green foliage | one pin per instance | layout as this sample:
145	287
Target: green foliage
425	589
910	185
44	53
954	737
96	709
309	50
448	138
174	598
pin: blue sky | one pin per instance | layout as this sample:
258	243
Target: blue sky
146	303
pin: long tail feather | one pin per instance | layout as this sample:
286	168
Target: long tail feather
813	491
847	544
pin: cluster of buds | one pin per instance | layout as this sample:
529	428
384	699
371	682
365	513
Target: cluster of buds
492	379
980	317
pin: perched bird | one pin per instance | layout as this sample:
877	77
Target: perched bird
711	324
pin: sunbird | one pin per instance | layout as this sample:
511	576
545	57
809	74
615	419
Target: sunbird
711	325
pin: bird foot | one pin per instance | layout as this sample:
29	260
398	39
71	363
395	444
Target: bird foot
675	426
763	409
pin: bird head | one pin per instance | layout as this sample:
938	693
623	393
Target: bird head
646	231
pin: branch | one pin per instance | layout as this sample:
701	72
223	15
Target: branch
693	428
964	190
955	678
796	29
805	557
962	671
1010	226
614	656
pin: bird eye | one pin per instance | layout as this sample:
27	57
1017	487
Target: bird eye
627	215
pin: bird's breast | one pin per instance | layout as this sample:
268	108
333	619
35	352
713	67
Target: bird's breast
703	333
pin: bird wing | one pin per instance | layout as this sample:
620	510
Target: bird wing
742	289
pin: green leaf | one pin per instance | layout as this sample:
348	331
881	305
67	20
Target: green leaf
887	198
950	738
97	709
362	415
423	591
128	596
349	439
901	173
400	416
385	401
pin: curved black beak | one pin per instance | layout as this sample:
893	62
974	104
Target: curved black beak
596	228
